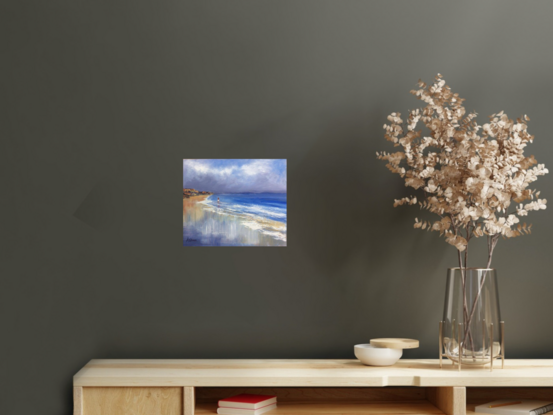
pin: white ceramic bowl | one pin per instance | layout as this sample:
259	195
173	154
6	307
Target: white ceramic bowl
376	356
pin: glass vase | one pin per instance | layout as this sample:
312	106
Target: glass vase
471	332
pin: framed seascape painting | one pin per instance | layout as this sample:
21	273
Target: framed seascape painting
228	202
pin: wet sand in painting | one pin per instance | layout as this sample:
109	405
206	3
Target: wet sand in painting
206	226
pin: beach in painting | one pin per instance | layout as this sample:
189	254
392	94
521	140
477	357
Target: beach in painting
236	220
239	218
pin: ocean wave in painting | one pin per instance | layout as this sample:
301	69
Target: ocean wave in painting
263	212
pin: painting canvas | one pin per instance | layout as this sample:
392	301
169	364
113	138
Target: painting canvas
230	202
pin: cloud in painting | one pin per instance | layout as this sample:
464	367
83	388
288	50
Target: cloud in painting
235	176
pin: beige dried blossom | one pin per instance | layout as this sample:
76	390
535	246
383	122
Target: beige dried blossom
475	178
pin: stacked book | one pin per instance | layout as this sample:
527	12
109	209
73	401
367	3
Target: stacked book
247	404
516	407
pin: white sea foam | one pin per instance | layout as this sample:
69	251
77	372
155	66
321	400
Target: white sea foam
244	209
277	235
205	201
257	221
276	212
256	226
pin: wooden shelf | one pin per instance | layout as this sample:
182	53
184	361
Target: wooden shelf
332	408
298	373
320	387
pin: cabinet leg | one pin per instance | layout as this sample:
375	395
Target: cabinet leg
451	400
189	400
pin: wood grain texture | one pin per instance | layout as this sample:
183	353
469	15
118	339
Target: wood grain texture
395	343
189	400
331	408
470	409
132	401
298	373
77	400
482	395
450	400
297	395
212	395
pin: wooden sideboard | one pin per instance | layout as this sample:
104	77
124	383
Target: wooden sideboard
323	387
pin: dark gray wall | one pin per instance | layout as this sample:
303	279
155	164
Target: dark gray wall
102	99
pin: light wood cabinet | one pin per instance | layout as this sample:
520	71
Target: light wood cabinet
323	387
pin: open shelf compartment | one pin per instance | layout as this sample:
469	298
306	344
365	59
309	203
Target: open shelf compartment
479	396
350	401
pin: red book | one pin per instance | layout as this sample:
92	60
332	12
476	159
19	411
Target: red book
247	401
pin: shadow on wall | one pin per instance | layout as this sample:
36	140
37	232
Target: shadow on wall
348	196
367	249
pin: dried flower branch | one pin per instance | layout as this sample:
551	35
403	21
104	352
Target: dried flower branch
475	178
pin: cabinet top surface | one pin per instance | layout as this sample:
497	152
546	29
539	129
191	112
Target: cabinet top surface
305	373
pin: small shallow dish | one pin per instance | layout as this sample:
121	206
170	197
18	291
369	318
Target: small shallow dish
376	356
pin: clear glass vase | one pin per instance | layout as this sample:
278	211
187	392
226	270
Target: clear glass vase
471	331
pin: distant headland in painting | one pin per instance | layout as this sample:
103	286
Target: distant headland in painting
188	193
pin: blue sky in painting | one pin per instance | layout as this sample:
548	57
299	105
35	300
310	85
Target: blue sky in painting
235	176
